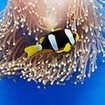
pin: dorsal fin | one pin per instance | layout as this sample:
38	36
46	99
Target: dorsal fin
57	29
41	40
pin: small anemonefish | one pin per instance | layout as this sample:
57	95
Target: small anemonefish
60	40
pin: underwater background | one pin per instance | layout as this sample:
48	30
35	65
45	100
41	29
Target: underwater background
21	92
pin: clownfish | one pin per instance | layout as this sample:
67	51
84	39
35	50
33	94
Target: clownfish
60	40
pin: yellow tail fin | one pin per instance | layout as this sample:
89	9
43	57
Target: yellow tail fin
31	50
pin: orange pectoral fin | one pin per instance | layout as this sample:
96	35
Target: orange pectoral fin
67	48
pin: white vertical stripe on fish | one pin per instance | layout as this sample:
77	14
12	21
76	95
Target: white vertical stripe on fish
53	42
70	36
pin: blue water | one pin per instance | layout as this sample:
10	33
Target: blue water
92	92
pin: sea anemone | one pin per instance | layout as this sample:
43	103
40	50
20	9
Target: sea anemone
25	21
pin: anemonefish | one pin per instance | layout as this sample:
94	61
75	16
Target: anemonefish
60	40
